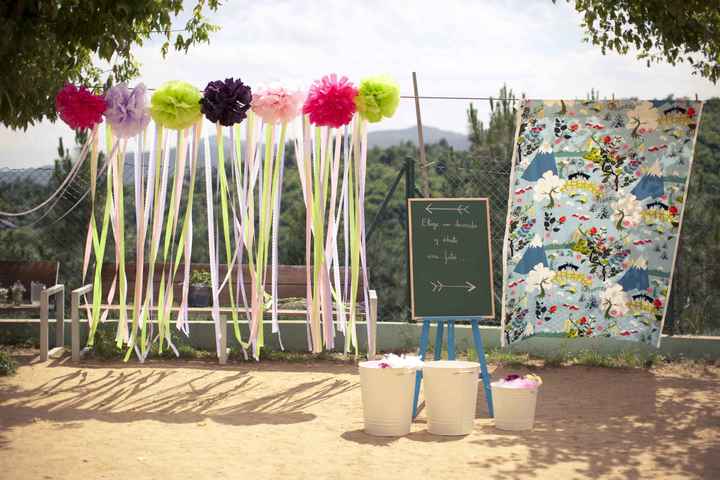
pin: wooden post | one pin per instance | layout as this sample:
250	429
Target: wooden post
74	327
372	328
222	354
60	319
421	140
44	327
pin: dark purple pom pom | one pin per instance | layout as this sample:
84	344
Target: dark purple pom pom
226	102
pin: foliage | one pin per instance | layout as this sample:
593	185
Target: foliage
673	31
47	44
8	365
695	305
200	278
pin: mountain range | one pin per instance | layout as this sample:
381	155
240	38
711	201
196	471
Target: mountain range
380	139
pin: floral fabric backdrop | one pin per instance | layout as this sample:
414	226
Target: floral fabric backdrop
597	195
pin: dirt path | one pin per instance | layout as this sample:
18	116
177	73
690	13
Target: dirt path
198	421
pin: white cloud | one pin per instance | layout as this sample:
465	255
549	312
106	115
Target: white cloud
458	48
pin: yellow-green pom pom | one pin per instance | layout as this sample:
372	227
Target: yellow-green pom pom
377	97
176	105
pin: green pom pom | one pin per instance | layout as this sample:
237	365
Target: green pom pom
176	105
377	97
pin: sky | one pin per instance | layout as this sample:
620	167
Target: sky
465	48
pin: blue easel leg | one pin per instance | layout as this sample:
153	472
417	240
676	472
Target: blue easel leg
418	375
439	328
483	367
451	340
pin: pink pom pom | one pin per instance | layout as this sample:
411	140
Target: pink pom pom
331	102
79	108
277	103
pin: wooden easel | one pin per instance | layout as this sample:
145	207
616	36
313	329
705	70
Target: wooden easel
440	327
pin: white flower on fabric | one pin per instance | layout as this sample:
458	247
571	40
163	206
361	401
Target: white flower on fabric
540	278
548	186
627	212
613	300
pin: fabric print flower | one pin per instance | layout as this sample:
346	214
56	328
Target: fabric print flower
613	300
548	188
627	212
540	278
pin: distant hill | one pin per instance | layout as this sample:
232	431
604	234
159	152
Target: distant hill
381	138
388	138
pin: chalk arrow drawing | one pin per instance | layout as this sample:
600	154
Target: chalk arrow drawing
437	286
460	209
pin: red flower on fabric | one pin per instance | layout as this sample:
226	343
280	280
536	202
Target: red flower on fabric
562	219
593	231
574	127
657	303
673	210
79	108
553	309
583	320
691	112
607	139
331	101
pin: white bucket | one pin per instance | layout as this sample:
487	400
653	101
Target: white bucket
450	396
514	407
387	396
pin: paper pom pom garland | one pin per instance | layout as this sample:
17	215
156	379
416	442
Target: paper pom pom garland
226	101
277	103
331	101
331	104
78	107
176	105
126	111
377	98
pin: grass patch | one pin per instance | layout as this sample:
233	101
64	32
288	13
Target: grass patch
506	358
105	348
291	357
8	365
588	358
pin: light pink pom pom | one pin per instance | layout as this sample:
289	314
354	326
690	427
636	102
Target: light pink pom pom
277	103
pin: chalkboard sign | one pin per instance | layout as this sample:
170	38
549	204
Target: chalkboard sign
450	257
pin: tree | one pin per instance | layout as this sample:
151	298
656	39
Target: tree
49	43
672	31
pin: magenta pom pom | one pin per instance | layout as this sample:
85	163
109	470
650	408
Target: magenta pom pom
331	101
79	108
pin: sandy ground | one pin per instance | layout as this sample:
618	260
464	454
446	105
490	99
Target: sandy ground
182	420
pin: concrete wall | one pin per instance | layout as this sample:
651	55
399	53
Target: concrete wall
395	336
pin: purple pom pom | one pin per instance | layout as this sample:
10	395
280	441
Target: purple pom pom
226	102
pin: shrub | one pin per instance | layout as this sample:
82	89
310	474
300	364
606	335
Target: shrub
8	365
